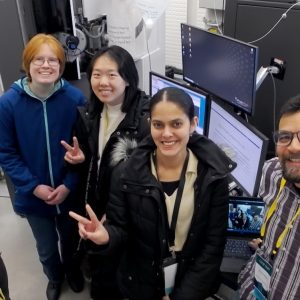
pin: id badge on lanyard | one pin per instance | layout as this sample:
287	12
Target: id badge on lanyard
170	263
170	269
262	278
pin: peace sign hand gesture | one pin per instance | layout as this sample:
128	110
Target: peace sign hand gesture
91	229
74	155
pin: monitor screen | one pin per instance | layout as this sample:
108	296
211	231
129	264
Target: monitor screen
158	82
245	216
242	142
222	66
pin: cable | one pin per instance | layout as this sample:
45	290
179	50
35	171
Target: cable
91	54
283	16
149	57
275	100
86	31
223	12
261	75
147	44
216	17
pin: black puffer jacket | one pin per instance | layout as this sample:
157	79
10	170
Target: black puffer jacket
95	182
137	221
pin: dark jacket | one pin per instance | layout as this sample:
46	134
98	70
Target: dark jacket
4	292
95	182
137	221
30	149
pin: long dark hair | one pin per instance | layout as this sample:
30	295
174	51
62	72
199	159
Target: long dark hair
126	69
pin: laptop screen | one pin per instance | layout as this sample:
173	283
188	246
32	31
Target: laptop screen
245	216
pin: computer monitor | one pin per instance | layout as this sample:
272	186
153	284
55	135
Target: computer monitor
222	66
242	142
158	82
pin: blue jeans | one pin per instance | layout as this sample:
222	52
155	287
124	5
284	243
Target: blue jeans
56	240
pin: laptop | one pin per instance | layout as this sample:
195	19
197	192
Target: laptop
245	218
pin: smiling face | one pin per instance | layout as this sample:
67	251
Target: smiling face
44	74
107	84
289	156
171	129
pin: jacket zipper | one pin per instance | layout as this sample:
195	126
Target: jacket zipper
49	150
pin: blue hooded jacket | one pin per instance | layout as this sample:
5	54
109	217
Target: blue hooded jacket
30	149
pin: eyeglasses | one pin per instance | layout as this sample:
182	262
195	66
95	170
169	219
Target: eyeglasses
284	138
39	61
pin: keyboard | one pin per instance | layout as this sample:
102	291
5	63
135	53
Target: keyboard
237	248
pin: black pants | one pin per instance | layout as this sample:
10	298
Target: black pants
103	277
3	280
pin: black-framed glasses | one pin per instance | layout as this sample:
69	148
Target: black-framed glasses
284	138
39	61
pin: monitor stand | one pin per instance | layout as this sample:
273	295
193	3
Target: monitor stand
263	72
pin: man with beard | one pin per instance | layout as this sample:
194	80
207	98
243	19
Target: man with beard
273	272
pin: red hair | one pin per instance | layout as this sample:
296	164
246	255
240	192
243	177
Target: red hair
33	47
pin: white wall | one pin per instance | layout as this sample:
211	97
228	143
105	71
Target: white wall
176	13
92	9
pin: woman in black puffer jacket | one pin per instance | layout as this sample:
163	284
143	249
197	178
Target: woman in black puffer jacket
141	210
116	110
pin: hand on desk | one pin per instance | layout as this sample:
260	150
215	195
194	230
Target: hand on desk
255	243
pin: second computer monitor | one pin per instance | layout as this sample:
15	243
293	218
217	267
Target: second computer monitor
158	82
243	143
222	66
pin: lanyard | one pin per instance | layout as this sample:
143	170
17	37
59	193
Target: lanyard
177	203
272	208
288	226
271	211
